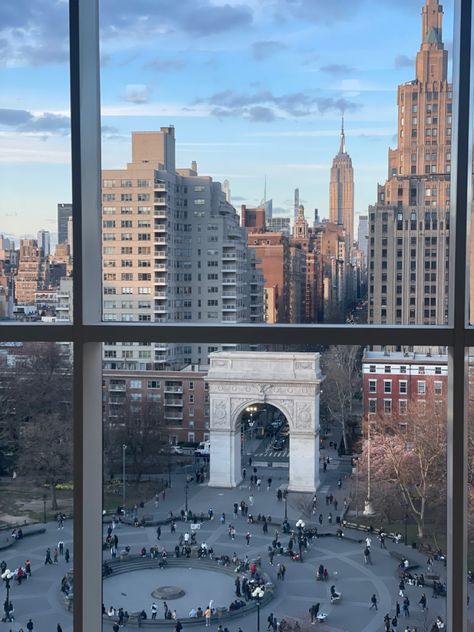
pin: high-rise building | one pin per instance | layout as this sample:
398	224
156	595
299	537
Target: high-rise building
363	235
44	242
409	224
64	212
341	192
279	225
28	279
173	251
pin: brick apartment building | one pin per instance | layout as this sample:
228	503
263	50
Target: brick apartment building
397	384
182	400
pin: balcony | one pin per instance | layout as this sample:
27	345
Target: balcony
173	389
161	281
161	240
161	309
160	254
160	213
229	267
174	402
173	417
232	307
229	255
161	294
229	294
229	281
113	388
160	228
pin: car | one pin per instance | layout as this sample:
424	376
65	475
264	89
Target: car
279	444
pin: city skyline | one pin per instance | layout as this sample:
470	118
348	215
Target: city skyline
276	112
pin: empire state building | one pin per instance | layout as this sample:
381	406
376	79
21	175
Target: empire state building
341	192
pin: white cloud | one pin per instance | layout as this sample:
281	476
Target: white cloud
137	93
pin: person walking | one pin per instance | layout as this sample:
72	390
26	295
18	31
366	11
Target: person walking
30	626
422	602
320	519
207	616
154	610
401	588
406	607
373	602
270	621
59	628
48	559
247	537
67	556
158	532
367	558
313	612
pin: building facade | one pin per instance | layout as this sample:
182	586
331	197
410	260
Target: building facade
173	251
341	193
409	224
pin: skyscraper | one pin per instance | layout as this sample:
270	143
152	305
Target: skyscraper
173	251
64	212
44	242
341	192
409	224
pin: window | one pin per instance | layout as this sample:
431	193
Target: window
372	406
402	406
421	387
387	406
403	387
438	388
387	386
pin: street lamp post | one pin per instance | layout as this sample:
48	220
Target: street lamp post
169	474
44	508
186	487
286	503
251	410
368	509
124	447
406	526
7	577
257	595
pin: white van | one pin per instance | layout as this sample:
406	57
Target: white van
203	449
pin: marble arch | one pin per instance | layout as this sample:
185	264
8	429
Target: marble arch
290	382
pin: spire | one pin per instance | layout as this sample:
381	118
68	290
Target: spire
432	24
342	148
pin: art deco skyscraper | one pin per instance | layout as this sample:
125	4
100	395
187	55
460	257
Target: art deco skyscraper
409	225
341	192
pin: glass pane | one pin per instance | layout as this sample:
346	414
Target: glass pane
36	489
324	463
35	172
265	177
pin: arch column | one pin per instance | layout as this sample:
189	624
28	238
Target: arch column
304	446
225	458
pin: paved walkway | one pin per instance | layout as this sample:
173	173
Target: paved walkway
40	597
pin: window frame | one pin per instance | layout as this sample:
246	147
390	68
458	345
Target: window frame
88	332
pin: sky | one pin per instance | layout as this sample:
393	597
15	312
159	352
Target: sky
254	88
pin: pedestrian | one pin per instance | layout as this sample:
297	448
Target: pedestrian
313	612
270	621
178	626
320	519
259	483
401	588
28	567
158	532
324	466
368	542
367	558
48	559
394	623
397	609
67	556
166	609
271	555
406	607
154	610
330	518
247	537
382	541
29	625
269	483
422	602
339	483
116	627
251	500
59	628
55	555
373	602
61	547
207	616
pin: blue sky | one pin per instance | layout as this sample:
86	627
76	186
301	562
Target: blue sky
254	88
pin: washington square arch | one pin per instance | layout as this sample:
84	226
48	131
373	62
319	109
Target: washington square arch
288	381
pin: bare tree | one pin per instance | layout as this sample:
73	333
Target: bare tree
409	461
342	368
141	429
46	453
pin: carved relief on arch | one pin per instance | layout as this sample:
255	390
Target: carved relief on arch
304	416
220	417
